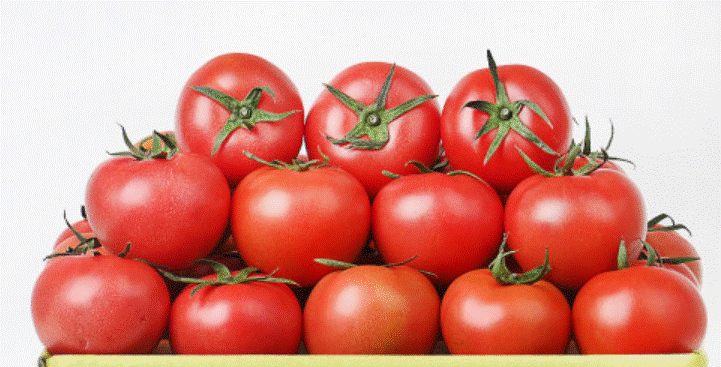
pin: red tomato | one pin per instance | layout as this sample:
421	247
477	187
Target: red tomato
363	133
580	219
453	223
268	125
282	219
481	316
172	210
99	305
461	124
639	310
673	244
371	309
247	318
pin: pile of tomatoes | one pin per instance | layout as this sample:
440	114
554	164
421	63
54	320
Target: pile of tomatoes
480	224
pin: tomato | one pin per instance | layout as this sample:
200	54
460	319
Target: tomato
639	310
172	208
240	102
283	218
483	125
246	318
369	309
580	219
99	305
670	243
374	116
453	223
481	316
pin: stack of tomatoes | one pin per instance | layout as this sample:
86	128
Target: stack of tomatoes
480	224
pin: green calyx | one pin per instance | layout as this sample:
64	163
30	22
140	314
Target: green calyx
243	113
592	155
652	257
85	244
163	146
422	168
342	265
298	165
505	276
672	227
224	276
373	120
503	116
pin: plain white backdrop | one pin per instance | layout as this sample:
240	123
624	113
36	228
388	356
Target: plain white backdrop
71	71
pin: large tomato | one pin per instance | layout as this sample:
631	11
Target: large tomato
240	102
236	315
374	116
639	310
173	207
488	312
370	309
283	218
99	305
493	112
453	223
581	219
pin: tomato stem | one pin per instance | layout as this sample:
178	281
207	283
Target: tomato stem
504	276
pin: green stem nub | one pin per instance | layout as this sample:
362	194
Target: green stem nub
504	276
373	119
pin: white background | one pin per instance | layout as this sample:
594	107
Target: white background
70	72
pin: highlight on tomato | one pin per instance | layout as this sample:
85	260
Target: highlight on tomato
374	116
240	102
491	113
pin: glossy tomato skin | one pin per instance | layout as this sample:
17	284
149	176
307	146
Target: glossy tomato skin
199	119
172	211
581	219
673	244
639	310
283	219
248	318
414	135
372	309
99	305
506	168
481	316
452	223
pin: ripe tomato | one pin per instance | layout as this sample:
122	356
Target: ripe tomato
580	219
282	219
673	244
453	223
99	305
247	318
173	208
374	116
471	125
639	310
369	309
240	102
481	316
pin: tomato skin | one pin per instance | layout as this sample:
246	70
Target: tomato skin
581	219
248	318
172	211
283	219
199	119
453	223
414	135
673	244
506	168
639	310
481	316
372	309
99	305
